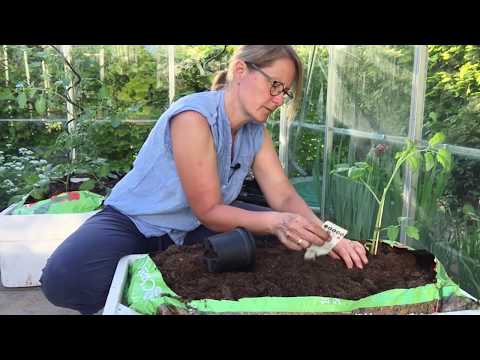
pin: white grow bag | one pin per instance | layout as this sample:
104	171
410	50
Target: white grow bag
26	242
114	305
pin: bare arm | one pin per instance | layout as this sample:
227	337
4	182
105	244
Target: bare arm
278	191
282	196
196	163
297	218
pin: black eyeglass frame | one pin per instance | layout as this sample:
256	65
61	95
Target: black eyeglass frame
275	84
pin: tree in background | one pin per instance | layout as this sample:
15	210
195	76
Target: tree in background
452	106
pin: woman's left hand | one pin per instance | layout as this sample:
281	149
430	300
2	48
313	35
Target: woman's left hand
351	252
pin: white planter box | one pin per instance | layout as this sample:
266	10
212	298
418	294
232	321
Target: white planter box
26	242
114	305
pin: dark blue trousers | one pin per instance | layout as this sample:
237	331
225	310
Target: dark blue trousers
80	271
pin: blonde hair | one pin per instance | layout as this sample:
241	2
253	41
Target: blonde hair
262	56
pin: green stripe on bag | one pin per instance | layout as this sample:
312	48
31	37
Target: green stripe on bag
147	291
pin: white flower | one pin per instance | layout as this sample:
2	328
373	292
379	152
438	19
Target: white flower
8	183
25	151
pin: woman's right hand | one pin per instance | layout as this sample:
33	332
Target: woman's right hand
296	232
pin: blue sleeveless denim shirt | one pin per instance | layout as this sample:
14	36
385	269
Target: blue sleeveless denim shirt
151	194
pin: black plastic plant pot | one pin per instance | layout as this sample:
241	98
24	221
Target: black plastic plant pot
230	251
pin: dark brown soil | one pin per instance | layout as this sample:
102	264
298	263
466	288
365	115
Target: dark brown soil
282	272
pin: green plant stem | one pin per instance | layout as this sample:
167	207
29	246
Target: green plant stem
371	191
378	223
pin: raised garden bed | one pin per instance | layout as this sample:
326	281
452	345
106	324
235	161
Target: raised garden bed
395	281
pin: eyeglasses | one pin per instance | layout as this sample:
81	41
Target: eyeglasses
277	87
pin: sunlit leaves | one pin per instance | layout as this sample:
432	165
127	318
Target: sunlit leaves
87	185
438	138
412	232
392	232
413	162
5	94
22	100
444	157
40	105
355	173
429	161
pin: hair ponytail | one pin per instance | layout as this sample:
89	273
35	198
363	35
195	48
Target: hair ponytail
219	80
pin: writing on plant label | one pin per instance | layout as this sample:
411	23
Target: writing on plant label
334	230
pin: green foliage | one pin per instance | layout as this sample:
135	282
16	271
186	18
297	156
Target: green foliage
26	97
453	90
453	235
436	139
361	172
412	232
392	232
91	139
452	106
134	86
198	65
350	203
304	145
377	97
444	157
87	185
21	173
429	162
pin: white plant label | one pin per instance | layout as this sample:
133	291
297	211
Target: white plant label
336	232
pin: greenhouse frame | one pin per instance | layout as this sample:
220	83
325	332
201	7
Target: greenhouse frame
361	107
